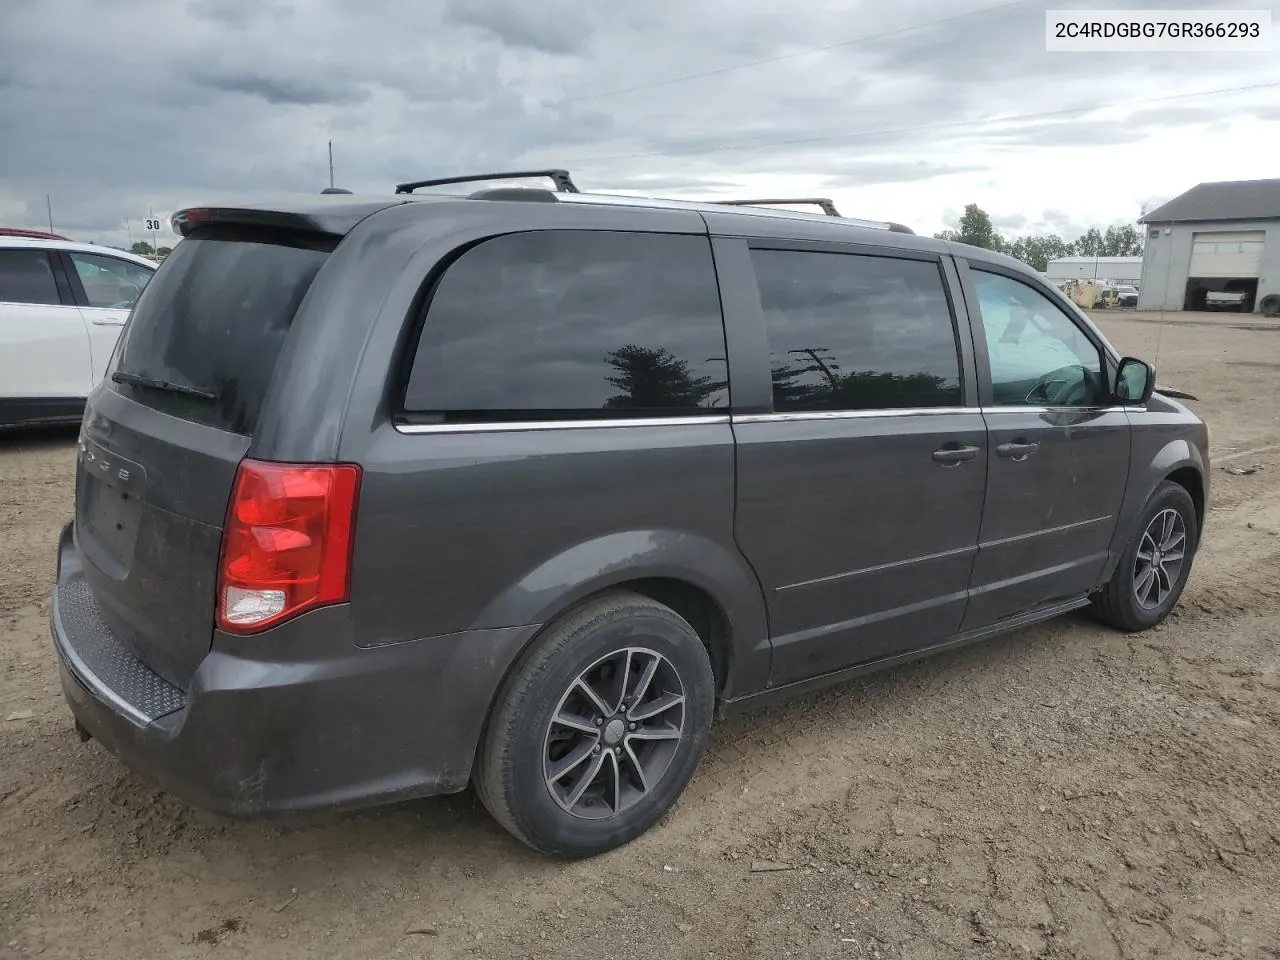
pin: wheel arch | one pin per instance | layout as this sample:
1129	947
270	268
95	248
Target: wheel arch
1191	480
700	610
1178	460
709	585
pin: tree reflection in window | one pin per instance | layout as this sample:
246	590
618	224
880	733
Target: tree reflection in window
653	379
860	390
854	332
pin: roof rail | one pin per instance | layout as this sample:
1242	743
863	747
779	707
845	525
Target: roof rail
827	206
532	194
563	182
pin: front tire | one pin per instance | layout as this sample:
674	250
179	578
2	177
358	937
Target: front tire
599	727
1151	575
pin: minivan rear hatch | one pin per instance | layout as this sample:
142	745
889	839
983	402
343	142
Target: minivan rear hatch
163	436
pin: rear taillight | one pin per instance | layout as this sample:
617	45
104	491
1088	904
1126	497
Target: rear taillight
286	546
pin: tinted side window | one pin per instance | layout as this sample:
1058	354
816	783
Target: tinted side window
26	276
565	324
1039	356
852	332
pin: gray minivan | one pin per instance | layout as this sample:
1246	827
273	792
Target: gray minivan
385	496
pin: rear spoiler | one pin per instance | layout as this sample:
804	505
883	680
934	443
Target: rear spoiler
333	215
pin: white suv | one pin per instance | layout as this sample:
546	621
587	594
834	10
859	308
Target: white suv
62	305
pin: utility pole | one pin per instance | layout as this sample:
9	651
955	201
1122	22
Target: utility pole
48	205
129	229
331	164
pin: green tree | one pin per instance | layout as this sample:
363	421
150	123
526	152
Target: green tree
1122	241
164	251
1091	244
1037	250
976	230
143	249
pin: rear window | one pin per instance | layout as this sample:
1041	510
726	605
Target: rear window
214	319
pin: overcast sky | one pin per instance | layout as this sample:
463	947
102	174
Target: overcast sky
117	108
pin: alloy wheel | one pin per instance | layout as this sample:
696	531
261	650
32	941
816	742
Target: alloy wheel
1162	552
614	733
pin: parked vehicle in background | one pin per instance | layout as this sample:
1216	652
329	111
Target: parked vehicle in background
386	495
29	234
62	307
1126	296
1224	299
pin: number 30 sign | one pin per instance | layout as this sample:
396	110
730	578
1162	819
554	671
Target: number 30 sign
153	224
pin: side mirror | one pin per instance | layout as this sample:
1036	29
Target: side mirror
1135	380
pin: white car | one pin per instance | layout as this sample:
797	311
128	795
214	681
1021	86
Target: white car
62	305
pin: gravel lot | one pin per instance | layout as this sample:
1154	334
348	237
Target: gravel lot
1063	792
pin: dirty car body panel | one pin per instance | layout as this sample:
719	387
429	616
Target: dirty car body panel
784	527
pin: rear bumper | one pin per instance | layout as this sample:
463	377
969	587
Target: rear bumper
294	720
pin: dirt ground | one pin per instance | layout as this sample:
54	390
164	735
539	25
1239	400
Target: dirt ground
1063	792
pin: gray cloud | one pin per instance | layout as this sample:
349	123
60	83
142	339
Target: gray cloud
650	184
156	104
861	173
296	91
1009	221
238	13
557	27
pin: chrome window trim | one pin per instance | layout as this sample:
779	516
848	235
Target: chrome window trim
1014	408
522	426
851	414
913	412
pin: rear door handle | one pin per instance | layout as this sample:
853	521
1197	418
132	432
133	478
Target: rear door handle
953	456
1018	450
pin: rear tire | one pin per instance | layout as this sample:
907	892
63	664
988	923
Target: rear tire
1153	570
617	693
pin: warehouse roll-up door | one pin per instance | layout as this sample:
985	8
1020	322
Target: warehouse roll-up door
1227	254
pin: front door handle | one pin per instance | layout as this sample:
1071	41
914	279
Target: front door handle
1018	450
954	456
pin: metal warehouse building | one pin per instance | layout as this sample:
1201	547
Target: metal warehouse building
1115	269
1215	237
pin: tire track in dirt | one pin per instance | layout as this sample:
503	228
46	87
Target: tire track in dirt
1066	792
